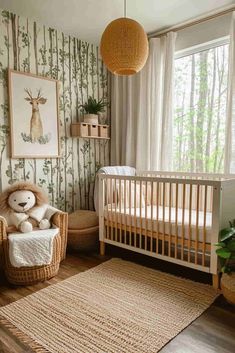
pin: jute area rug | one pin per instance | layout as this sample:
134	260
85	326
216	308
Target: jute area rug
116	307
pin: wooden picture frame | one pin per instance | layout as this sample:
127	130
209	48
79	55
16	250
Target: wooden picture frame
34	115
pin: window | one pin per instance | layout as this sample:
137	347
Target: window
200	94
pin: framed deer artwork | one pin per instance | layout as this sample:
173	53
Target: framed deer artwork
34	116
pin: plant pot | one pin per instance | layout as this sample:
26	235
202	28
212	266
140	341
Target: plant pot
228	287
91	119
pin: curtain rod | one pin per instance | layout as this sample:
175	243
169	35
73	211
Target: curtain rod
192	22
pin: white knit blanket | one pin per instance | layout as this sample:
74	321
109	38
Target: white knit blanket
31	249
114	170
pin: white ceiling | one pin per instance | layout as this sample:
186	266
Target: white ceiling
86	19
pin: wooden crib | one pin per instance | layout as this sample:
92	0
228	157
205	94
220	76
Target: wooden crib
171	216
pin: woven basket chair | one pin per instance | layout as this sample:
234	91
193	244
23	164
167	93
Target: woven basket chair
31	275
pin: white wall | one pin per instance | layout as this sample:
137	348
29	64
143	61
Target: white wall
203	32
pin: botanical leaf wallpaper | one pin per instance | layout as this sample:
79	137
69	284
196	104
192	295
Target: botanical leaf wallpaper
30	47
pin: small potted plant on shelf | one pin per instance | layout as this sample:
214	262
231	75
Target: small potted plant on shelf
92	108
226	253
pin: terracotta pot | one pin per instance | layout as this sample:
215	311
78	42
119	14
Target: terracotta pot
91	119
228	287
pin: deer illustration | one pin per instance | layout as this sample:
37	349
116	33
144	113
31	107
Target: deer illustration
36	127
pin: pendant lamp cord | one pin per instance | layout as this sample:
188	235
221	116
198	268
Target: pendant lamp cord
124	8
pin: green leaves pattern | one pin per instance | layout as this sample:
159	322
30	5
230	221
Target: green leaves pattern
29	47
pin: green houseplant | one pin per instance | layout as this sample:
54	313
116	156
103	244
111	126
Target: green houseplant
226	253
92	107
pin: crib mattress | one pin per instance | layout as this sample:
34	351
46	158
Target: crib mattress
136	218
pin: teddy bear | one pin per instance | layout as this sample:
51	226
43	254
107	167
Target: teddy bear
25	206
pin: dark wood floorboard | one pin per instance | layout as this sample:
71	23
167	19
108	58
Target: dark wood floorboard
212	332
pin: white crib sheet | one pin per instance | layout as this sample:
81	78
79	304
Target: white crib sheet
129	217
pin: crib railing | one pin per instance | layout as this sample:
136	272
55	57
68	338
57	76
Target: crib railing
185	175
170	218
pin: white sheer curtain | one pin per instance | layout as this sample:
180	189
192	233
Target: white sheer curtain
229	163
142	111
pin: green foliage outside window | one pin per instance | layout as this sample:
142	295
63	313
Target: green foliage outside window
200	111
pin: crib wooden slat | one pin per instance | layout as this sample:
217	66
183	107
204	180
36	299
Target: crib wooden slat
163	215
107	188
125	213
120	208
115	207
170	225
197	223
190	222
135	218
151	198
130	208
157	217
176	218
183	224
140	208
111	197
204	226
146	215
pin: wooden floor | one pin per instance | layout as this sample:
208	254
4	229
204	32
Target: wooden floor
213	332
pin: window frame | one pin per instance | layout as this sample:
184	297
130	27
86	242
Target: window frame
201	47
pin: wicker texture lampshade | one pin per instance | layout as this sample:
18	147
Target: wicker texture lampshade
124	46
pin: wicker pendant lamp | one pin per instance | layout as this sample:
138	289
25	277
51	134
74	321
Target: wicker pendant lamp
124	46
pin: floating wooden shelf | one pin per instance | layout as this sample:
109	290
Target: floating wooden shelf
93	137
94	131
